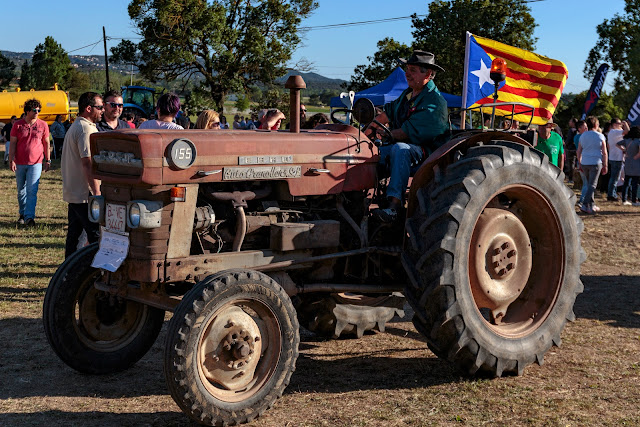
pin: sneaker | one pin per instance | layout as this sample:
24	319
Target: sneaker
386	215
612	199
595	208
30	222
626	203
21	220
587	210
636	203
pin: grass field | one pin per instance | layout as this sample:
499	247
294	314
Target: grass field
382	379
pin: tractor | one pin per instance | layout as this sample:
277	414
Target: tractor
244	236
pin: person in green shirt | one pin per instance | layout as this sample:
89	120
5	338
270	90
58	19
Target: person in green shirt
550	143
416	118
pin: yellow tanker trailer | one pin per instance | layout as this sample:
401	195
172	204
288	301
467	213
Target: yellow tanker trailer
53	102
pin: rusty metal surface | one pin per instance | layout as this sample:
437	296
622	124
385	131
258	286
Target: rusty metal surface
182	224
516	260
500	260
153	299
239	349
289	236
334	148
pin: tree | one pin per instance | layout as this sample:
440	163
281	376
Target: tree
571	106
443	32
242	103
619	45
50	64
231	44
381	64
7	71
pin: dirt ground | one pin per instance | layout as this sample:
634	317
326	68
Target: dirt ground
382	379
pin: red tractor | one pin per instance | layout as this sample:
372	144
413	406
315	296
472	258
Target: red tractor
244	235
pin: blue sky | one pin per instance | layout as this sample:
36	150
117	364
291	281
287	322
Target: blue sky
566	30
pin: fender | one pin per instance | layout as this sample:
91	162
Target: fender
444	156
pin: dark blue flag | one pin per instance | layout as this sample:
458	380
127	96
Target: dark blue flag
634	113
594	92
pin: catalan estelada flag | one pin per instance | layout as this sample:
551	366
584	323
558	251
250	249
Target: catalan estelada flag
531	79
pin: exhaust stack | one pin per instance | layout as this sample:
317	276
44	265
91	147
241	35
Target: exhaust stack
294	84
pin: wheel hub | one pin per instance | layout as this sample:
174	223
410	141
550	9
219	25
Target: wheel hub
231	349
500	261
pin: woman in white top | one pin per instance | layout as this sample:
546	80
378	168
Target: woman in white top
592	157
167	109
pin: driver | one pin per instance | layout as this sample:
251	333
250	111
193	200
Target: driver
415	118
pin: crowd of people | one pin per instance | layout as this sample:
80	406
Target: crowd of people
608	155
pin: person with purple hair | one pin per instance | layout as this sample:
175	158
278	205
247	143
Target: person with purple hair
167	109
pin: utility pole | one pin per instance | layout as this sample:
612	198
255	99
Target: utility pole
106	58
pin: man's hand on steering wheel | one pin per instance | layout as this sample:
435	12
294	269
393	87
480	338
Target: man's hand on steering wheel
377	130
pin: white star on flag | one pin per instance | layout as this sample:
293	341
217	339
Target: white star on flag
483	75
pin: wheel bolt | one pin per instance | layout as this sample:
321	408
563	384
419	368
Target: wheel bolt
502	272
510	267
496	264
497	251
505	245
511	253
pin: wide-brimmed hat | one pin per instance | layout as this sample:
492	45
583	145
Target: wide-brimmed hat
422	58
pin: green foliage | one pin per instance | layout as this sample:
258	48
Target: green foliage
7	71
78	83
50	64
619	45
572	105
275	97
197	100
443	32
231	44
381	64
242	103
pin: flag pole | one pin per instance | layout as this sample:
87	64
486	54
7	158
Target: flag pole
465	82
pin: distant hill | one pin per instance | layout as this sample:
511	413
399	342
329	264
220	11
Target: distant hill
313	80
81	62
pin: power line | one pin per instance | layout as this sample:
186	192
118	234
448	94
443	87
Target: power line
352	24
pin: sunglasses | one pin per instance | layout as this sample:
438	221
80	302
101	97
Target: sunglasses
36	110
215	124
98	107
115	105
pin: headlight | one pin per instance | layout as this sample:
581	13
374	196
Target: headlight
144	214
96	209
134	215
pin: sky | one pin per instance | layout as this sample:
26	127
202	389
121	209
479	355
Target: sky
566	30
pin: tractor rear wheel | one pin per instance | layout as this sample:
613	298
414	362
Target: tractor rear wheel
494	258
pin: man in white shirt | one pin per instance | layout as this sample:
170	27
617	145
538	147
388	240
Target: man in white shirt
616	134
77	180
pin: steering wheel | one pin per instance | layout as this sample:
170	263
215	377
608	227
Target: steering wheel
387	138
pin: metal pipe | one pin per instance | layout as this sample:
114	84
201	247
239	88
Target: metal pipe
346	287
241	229
352	223
294	84
284	264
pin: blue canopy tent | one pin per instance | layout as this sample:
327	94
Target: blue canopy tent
390	89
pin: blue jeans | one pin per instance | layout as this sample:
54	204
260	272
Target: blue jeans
592	172
400	157
614	177
28	179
